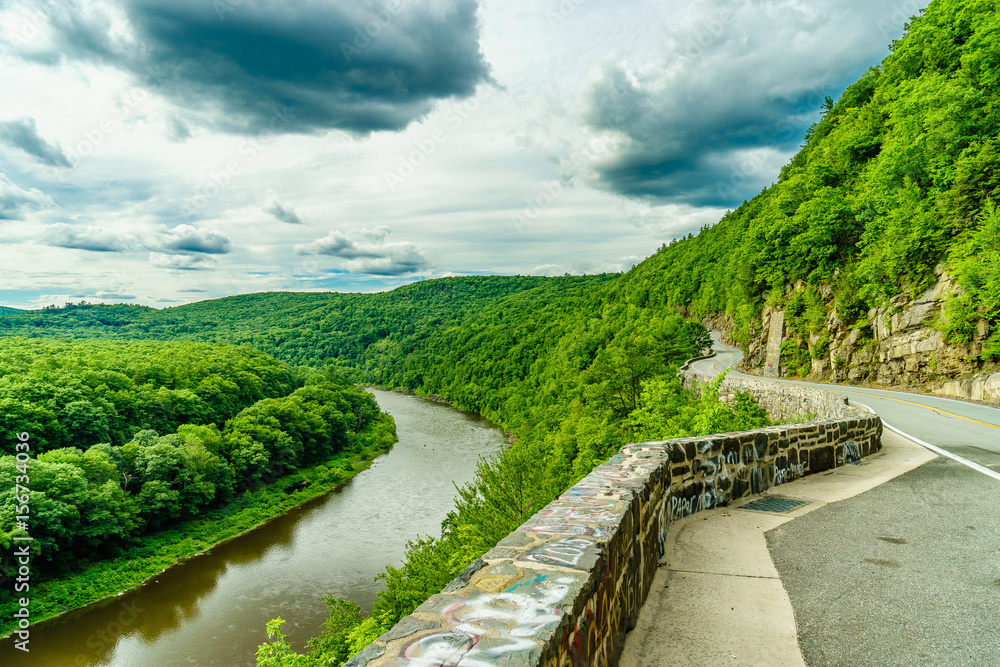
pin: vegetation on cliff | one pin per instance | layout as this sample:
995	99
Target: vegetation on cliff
897	177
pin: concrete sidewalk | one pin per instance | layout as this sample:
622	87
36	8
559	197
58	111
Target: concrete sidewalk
717	598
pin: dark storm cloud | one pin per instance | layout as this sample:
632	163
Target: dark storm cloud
23	134
738	86
277	66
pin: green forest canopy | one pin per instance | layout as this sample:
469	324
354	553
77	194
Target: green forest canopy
127	438
898	176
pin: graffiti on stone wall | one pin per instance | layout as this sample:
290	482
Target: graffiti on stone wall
610	527
704	499
664	520
852	453
577	529
592	512
522	618
566	552
787	474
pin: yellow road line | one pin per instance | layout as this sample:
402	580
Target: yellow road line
715	365
921	405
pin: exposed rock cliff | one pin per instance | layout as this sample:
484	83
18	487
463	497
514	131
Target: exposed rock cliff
895	345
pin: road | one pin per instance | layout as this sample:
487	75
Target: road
966	430
909	572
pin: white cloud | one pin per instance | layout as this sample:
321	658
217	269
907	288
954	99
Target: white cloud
16	202
374	257
181	262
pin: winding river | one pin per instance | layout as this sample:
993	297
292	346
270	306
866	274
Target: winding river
212	609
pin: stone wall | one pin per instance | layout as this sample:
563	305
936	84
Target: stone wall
565	587
781	401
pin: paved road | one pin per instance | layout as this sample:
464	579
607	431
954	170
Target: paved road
968	430
909	572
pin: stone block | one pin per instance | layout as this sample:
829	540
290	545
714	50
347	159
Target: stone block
822	458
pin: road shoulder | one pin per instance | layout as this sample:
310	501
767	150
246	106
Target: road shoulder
717	597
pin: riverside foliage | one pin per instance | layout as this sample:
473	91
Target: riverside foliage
132	438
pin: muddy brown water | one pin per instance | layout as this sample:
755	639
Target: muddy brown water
212	610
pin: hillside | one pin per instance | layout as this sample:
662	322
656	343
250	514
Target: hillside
878	245
299	328
879	240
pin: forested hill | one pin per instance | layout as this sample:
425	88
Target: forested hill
899	175
300	328
897	179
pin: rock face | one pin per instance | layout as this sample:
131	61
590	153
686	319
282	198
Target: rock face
899	347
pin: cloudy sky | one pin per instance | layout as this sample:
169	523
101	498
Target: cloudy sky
167	151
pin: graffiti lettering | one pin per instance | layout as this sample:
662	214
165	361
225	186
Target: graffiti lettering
567	551
682	507
591	513
793	471
520	617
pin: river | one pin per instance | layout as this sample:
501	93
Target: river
212	609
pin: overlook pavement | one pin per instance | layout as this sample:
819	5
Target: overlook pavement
892	562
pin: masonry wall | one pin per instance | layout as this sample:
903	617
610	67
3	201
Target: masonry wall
565	587
781	401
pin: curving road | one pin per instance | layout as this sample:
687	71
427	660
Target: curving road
907	573
952	428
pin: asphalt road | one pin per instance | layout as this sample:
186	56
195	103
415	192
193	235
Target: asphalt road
968	430
909	572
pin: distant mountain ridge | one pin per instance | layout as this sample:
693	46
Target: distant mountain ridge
891	196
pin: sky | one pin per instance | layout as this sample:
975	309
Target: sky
171	151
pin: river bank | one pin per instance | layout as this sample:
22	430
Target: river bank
104	581
213	610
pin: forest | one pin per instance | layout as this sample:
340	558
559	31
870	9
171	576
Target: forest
899	177
896	179
127	439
